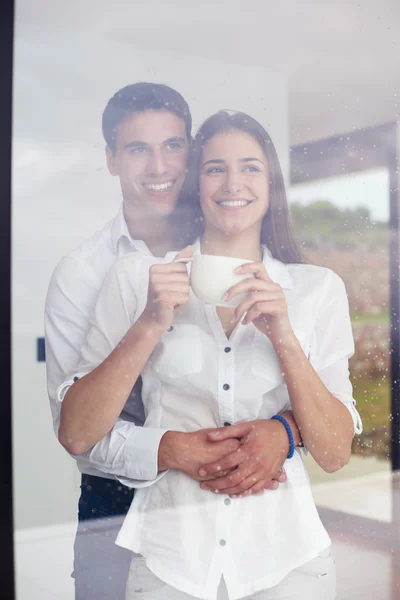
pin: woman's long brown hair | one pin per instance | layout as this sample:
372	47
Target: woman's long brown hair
276	230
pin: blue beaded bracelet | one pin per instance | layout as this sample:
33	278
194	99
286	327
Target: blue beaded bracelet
288	431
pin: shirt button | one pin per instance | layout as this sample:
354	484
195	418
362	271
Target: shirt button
227	349
170	328
227	424
222	542
227	501
226	386
76	379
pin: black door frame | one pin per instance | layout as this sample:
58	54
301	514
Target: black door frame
7	583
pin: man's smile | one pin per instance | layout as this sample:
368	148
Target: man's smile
159	187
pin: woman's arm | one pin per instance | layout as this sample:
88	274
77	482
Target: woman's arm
325	423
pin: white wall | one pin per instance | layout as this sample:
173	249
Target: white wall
62	193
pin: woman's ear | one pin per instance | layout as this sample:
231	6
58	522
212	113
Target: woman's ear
110	158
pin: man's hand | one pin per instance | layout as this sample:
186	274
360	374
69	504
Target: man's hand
188	452
255	465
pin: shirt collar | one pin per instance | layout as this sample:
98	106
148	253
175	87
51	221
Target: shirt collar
277	270
121	238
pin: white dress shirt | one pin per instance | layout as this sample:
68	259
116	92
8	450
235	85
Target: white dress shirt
127	450
197	378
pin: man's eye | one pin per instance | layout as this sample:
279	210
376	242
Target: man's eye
138	150
175	146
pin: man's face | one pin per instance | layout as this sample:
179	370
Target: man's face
150	160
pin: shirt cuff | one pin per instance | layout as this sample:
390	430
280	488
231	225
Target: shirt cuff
64	387
141	457
351	406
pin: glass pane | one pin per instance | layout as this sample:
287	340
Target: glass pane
342	223
70	59
63	194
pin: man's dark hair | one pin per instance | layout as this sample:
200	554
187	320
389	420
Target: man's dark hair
139	97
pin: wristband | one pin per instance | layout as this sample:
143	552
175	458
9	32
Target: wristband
288	431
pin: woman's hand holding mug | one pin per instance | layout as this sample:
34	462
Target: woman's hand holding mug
168	289
265	304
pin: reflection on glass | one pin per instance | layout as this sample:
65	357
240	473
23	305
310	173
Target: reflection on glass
342	223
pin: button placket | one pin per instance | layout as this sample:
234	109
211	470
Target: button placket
225	364
223	523
226	384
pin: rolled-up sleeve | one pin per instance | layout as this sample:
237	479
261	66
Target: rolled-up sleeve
128	452
114	313
71	295
337	380
333	344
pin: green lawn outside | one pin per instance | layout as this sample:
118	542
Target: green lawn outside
370	318
373	401
372	394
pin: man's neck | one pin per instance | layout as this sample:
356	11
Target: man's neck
158	233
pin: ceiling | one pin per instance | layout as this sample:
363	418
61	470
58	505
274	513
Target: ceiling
341	58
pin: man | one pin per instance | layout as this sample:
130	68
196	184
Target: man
147	128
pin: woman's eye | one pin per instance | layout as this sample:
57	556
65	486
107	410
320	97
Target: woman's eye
214	170
251	168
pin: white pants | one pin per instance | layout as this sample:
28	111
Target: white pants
315	580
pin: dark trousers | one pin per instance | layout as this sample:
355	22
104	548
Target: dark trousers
100	566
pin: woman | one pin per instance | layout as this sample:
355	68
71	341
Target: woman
286	345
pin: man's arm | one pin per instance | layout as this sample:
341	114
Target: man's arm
70	301
126	451
139	456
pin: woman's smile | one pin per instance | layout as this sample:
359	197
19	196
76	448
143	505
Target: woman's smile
234	182
234	203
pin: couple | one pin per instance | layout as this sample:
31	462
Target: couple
284	348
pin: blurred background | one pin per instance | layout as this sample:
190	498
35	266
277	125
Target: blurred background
323	80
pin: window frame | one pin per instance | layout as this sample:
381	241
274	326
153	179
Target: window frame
357	151
7	574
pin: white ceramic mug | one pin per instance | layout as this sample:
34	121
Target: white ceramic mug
212	276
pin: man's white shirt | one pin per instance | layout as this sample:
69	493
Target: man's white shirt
196	378
128	450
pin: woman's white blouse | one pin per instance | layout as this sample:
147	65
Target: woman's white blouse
196	378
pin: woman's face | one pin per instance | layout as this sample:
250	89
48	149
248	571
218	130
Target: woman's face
233	183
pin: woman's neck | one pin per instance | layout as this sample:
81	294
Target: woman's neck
245	244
